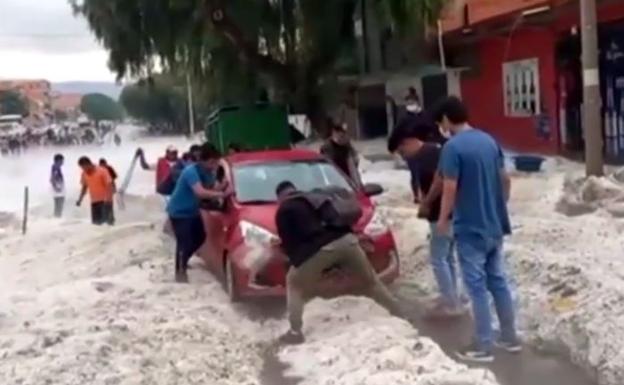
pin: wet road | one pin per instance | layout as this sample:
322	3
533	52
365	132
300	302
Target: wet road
528	368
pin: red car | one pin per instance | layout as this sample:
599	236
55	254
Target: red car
240	238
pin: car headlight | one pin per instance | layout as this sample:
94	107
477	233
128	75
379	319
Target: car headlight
254	234
378	225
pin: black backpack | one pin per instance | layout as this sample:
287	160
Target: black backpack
337	207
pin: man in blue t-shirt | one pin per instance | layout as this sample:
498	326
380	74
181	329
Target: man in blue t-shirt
197	182
476	189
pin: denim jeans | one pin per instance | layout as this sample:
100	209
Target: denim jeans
190	236
441	247
483	268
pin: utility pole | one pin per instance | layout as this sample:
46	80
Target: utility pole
592	122
191	115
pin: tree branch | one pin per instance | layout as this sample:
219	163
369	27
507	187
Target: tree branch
227	28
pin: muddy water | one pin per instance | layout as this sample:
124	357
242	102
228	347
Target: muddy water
528	368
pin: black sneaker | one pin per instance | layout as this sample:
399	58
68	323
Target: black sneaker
474	354
514	346
292	338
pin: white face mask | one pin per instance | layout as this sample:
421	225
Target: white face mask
413	107
445	134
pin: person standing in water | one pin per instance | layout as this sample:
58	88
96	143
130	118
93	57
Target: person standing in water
113	174
111	171
58	185
97	182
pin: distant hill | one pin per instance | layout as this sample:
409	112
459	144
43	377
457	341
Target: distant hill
111	89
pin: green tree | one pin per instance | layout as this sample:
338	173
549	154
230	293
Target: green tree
12	103
60	115
100	107
238	46
161	100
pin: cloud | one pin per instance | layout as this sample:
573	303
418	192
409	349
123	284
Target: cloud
46	26
43	39
90	65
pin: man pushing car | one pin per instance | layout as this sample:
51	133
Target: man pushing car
315	231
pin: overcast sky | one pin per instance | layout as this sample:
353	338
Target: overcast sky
43	39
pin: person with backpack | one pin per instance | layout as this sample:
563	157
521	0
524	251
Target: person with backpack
196	183
164	167
315	233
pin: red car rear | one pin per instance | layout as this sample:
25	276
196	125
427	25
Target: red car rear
239	238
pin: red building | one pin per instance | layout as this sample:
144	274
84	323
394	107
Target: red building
522	71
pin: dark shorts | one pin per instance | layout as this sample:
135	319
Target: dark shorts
190	236
102	213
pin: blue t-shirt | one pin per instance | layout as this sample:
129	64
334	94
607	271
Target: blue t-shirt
183	202
475	160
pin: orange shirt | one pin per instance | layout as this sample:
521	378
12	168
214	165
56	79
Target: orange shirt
99	184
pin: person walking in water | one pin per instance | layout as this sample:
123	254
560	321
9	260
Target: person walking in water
97	182
111	171
476	188
58	185
113	174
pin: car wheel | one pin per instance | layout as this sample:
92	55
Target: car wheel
230	281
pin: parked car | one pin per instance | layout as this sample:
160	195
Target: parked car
240	233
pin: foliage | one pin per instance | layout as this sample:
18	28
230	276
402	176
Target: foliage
60	115
161	100
234	48
100	107
12	103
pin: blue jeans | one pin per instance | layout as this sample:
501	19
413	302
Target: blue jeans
483	268
443	263
190	236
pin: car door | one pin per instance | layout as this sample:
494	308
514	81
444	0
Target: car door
219	223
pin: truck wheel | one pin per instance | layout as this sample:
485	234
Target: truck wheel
230	281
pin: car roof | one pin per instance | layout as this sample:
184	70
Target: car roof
273	156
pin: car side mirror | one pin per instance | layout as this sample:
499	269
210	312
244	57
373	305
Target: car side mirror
372	189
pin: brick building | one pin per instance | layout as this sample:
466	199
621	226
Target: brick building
521	76
68	104
38	93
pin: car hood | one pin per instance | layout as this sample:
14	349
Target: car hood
264	215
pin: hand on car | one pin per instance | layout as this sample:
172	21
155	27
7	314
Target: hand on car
228	191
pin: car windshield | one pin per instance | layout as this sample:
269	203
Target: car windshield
257	182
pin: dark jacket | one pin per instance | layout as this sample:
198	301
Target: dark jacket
345	157
301	231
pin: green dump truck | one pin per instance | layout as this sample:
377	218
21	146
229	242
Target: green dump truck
256	127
